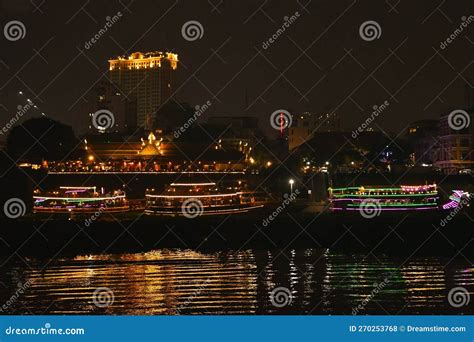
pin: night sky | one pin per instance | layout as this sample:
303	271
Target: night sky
320	63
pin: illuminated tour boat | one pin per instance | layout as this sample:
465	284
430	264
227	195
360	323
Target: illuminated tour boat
196	199
79	199
420	197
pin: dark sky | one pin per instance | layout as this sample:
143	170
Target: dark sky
320	63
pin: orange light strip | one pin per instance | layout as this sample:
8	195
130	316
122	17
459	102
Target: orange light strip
76	199
196	196
191	184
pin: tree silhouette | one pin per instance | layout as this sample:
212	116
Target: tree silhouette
41	138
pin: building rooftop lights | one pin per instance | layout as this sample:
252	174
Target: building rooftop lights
142	60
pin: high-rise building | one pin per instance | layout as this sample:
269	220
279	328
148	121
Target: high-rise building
106	95
147	77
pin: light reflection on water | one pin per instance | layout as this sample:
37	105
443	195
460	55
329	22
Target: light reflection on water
189	282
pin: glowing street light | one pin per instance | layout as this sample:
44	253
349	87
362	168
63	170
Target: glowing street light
291	181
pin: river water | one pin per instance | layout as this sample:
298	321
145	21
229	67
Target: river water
172	281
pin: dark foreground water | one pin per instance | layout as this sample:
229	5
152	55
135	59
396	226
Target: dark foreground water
170	281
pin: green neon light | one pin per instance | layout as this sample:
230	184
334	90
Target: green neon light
391	195
399	205
374	189
74	200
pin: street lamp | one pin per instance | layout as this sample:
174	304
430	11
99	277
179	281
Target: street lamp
291	185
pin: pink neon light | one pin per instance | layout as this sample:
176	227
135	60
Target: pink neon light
363	199
389	209
450	205
194	196
73	191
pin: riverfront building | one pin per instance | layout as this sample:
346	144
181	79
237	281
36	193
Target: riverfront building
148	78
454	152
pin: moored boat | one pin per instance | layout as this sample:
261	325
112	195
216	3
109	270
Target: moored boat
403	198
206	198
79	199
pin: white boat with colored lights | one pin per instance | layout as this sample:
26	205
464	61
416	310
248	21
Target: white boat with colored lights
201	199
79	199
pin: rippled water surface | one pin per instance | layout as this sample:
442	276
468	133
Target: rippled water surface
244	282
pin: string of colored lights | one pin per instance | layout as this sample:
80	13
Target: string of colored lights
384	195
405	197
365	199
76	199
192	184
401	188
390	209
194	196
398	205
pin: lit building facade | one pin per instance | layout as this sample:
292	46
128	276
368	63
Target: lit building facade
147	77
152	154
455	150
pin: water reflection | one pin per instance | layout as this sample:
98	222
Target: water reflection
189	282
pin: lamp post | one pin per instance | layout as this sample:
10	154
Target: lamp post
291	185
